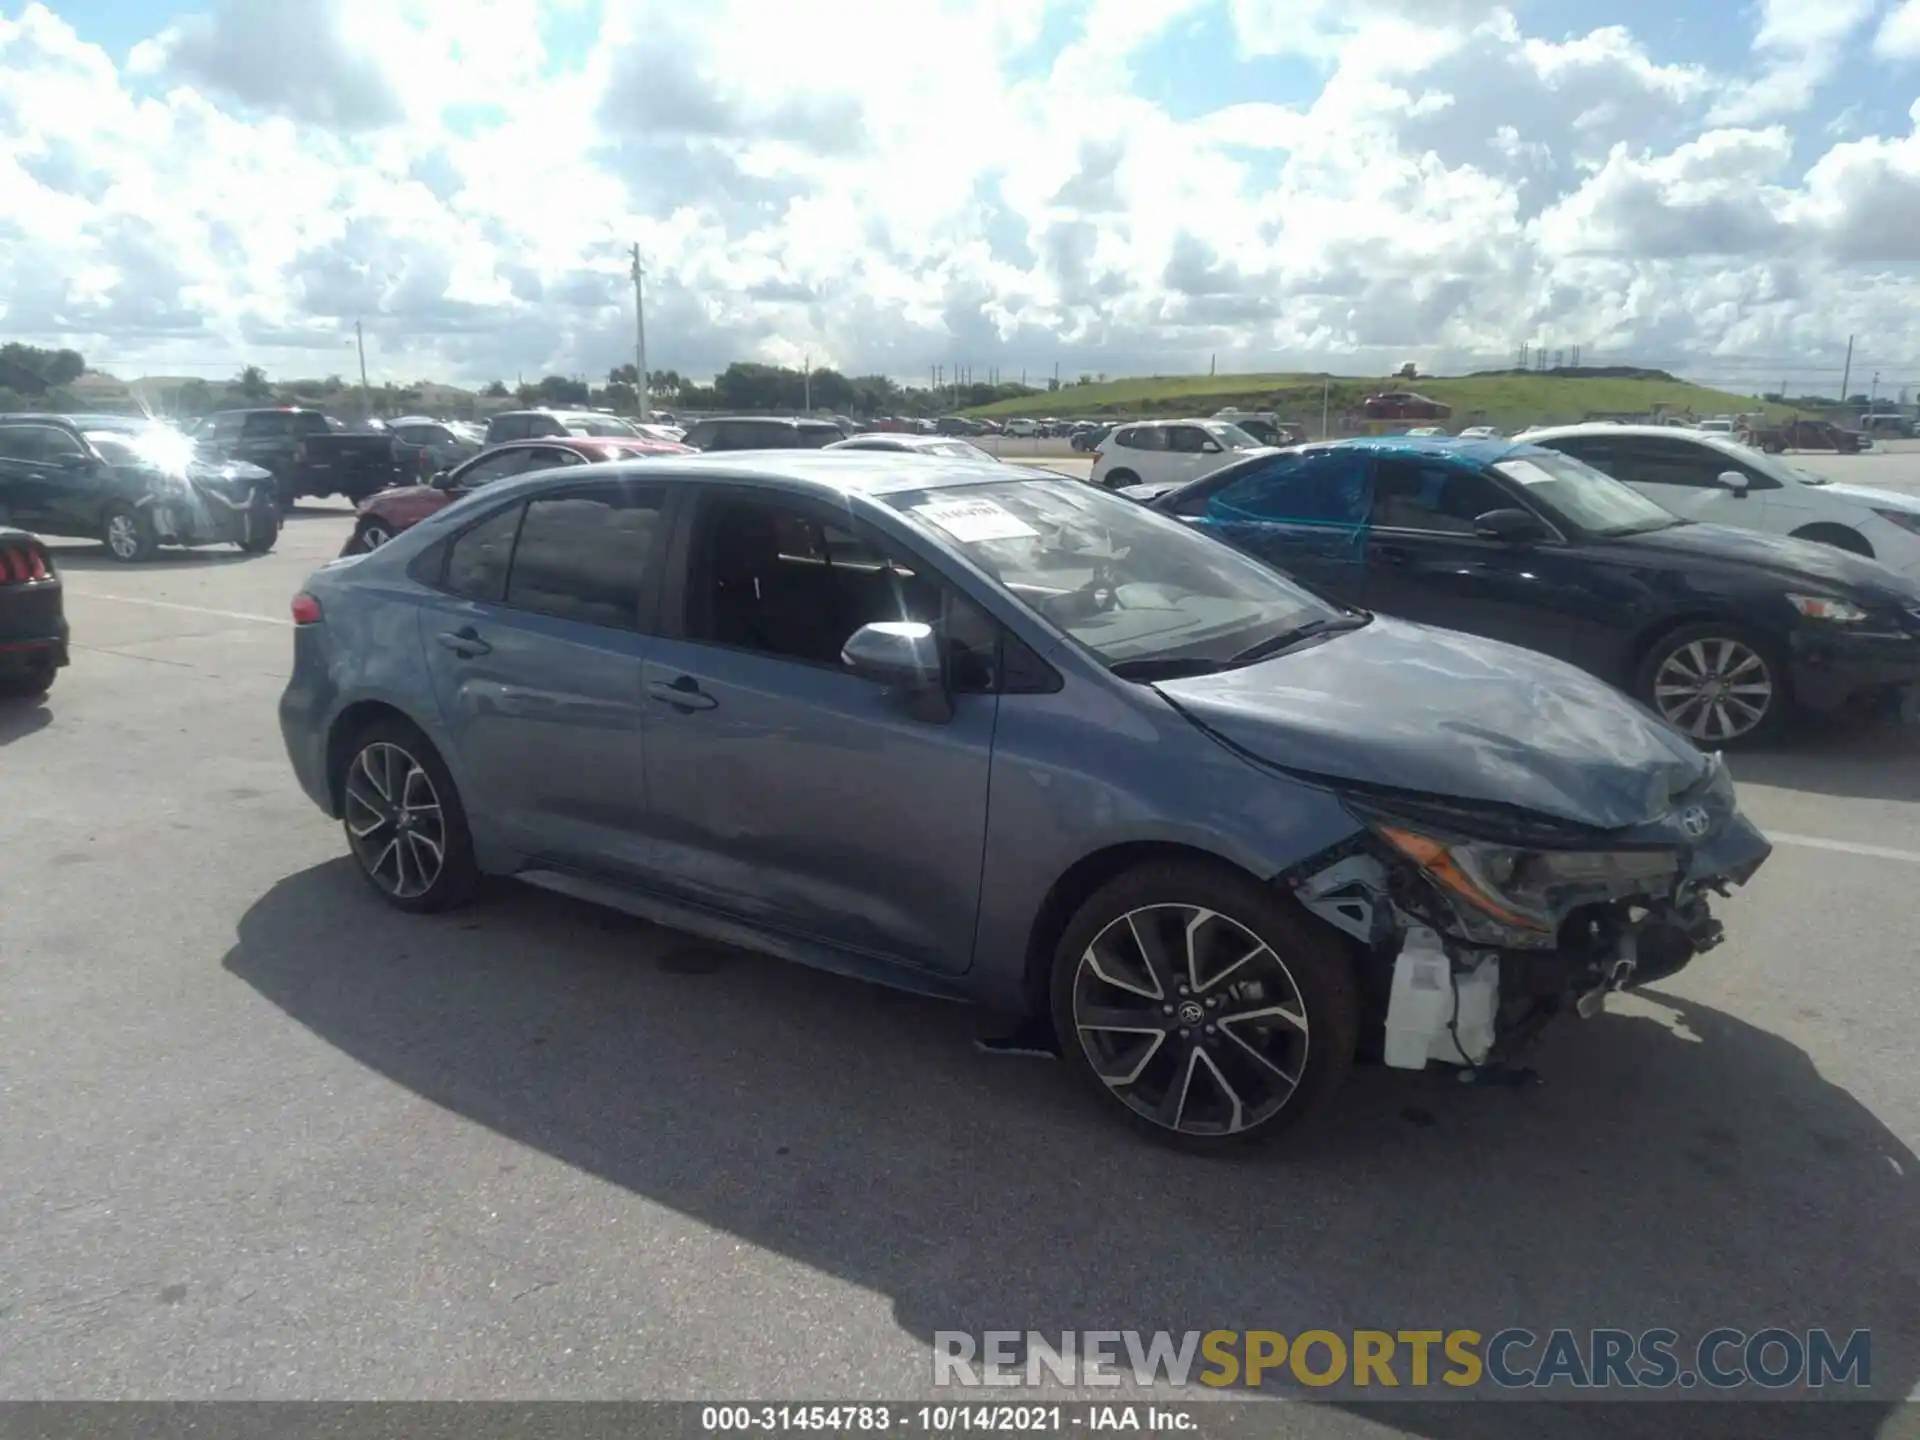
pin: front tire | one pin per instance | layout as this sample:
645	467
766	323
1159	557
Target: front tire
128	535
404	823
1722	686
371	535
1203	1005
1114	479
263	526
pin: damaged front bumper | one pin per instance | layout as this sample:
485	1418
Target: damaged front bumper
210	511
1480	927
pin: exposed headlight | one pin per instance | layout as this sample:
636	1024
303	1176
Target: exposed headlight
1905	519
1528	890
1822	607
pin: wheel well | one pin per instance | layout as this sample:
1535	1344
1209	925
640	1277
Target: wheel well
1655	633
348	725
1841	537
1073	889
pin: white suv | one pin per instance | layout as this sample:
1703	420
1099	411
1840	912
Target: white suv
1701	476
1169	452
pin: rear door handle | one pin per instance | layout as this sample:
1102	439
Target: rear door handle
465	642
683	693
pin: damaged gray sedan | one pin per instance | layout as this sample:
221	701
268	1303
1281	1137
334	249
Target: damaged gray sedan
996	735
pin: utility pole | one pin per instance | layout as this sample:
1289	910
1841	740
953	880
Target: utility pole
1846	375
1874	393
806	384
1326	396
640	335
366	396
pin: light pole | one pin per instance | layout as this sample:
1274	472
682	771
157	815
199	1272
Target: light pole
640	335
366	397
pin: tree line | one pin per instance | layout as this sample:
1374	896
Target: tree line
36	379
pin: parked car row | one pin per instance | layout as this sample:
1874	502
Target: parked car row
1241	829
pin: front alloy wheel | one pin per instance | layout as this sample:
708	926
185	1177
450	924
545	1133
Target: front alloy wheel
373	535
1203	1004
1716	689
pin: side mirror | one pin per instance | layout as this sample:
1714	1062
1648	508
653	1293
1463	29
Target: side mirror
1209	447
1734	481
902	655
73	461
1513	527
440	479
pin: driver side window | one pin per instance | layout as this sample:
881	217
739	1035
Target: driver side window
774	579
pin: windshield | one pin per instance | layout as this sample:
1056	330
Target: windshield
1231	437
1125	582
1770	465
598	425
157	445
1574	491
956	447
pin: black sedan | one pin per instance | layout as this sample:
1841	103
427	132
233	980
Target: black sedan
1723	632
33	622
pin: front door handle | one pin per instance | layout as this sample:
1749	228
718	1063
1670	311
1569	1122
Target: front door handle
465	642
683	694
1394	555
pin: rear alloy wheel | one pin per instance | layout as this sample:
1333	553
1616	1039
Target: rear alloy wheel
372	536
128	535
404	821
1201	1004
1715	684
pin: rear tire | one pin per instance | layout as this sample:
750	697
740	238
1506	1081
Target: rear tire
1706	679
405	826
29	684
1203	1005
1114	479
128	535
1839	537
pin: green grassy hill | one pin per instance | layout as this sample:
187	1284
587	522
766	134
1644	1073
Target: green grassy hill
1508	401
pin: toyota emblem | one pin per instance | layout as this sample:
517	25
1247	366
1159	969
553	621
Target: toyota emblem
1695	821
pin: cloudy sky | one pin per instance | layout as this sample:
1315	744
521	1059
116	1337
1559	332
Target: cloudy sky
1114	186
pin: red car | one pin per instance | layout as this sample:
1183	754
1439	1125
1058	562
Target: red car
386	514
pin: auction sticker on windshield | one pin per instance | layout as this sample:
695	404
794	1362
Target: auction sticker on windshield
1525	471
972	521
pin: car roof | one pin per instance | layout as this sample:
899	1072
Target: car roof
1473	451
825	474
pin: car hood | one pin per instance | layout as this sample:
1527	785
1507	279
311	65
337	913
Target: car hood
1411	708
1782	556
405	494
1877	498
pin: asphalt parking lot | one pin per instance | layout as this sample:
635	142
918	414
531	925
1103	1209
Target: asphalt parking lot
265	1138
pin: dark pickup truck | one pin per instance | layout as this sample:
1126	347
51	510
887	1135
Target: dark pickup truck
307	453
1802	434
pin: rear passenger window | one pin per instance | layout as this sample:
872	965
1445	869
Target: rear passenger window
584	557
477	562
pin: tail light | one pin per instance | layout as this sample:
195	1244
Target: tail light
23	565
306	609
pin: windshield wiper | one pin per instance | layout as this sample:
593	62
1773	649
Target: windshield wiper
1165	667
1274	644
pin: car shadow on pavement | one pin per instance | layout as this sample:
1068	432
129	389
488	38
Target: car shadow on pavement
1677	1167
21	718
86	559
1854	759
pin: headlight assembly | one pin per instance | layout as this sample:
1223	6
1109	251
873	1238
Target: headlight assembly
1823	607
1528	890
